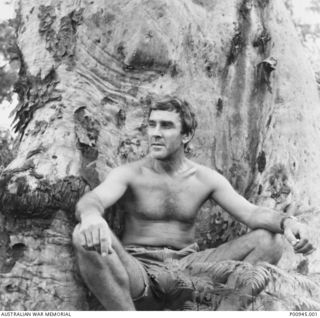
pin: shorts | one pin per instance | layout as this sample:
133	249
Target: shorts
166	284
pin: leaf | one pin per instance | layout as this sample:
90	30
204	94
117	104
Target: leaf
255	277
268	286
217	271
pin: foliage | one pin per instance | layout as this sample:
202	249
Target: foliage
266	287
293	290
8	55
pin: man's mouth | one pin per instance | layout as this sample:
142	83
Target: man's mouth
157	145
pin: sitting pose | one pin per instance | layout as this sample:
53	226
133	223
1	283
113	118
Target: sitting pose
161	195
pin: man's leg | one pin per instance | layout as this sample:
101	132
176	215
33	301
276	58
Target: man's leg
114	279
258	245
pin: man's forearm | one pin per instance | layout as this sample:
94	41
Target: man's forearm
87	205
265	218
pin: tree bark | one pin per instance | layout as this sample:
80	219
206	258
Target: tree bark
89	70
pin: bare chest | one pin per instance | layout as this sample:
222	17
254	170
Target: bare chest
161	198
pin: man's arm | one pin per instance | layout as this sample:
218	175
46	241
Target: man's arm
259	217
94	230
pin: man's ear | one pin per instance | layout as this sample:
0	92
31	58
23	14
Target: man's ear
186	137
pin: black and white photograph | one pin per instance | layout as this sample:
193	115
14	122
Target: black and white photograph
159	155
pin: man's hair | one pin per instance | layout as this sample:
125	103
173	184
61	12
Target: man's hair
183	108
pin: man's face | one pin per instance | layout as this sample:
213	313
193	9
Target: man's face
164	132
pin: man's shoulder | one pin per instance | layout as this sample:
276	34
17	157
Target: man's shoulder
208	175
130	169
204	170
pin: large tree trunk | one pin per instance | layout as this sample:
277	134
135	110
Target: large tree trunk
89	70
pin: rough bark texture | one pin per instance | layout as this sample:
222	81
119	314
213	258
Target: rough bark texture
89	70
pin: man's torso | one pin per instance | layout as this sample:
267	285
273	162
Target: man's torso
161	209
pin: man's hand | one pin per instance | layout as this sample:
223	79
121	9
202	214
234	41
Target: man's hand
297	234
95	234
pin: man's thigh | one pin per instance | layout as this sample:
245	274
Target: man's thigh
141	285
136	272
237	250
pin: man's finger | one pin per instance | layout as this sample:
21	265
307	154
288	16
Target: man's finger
304	249
291	208
82	238
95	237
290	237
309	252
300	244
89	241
104	244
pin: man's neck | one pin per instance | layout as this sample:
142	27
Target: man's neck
174	165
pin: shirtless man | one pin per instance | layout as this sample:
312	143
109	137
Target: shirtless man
161	195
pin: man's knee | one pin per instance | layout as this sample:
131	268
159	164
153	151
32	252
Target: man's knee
269	243
92	261
268	239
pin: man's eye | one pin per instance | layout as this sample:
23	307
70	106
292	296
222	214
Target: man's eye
166	125
151	124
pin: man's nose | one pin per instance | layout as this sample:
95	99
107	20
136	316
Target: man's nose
156	131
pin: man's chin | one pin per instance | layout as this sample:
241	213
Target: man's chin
157	155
